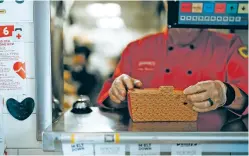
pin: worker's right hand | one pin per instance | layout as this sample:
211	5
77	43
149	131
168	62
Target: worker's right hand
120	85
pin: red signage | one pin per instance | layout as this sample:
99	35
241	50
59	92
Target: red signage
6	31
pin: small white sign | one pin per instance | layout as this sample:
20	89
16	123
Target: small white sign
109	149
145	149
78	149
190	149
12	64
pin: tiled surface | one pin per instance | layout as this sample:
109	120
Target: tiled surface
31	88
5	100
20	134
36	152
12	152
27	30
31	92
23	12
29	56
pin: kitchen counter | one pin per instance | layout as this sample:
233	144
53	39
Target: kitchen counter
212	130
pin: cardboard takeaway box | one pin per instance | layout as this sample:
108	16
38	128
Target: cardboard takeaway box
159	104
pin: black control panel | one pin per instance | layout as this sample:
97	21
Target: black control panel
208	14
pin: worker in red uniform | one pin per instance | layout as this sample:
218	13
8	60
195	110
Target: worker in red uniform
211	68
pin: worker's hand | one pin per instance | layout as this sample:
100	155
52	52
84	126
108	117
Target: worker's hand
207	95
120	85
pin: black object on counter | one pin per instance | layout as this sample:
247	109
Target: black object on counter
81	106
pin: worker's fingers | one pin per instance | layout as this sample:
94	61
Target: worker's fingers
198	97
202	110
127	81
199	87
202	105
137	83
119	85
118	94
113	97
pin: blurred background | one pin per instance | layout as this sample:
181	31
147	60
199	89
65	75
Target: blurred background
92	37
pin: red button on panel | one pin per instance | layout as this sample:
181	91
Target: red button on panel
186	7
220	7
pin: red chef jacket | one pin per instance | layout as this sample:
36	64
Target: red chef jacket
157	61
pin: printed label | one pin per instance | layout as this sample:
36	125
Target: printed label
109	149
145	149
190	149
78	149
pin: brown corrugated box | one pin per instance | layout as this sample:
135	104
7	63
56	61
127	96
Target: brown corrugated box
178	126
159	104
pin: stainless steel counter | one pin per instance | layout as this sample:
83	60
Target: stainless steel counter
211	131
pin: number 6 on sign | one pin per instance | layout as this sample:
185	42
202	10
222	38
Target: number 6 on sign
6	31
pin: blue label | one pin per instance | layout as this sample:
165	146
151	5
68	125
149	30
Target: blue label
208	7
232	8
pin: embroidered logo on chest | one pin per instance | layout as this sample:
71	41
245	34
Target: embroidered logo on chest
243	51
146	65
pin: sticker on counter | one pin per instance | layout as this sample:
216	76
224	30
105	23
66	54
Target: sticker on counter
109	149
78	149
86	138
112	138
190	149
109	138
12	64
145	149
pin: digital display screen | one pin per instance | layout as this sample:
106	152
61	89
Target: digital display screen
208	14
213	13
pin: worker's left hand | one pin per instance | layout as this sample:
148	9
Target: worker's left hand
206	95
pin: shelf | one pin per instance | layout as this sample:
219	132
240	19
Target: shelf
101	127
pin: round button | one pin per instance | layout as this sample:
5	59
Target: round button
192	46
171	48
167	70
189	72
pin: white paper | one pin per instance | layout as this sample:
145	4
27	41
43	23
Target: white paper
109	149
12	64
145	149
78	149
190	149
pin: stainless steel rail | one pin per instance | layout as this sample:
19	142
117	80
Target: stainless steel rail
231	143
43	65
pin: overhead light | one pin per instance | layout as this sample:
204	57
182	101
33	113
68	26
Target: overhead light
110	23
112	9
95	9
103	10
